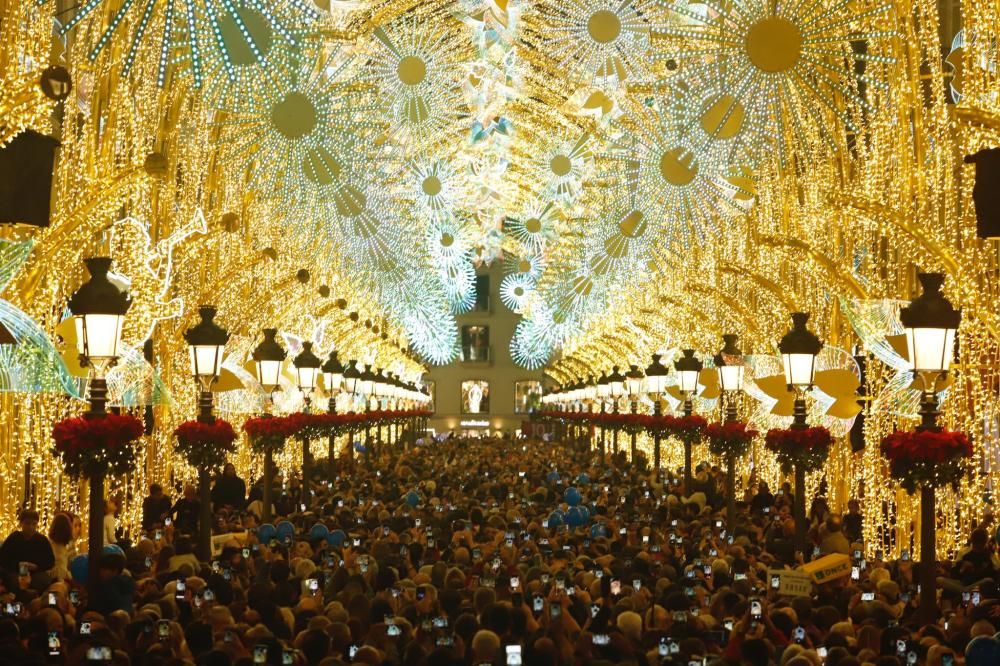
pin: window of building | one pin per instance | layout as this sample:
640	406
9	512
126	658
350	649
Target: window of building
527	396
475	343
482	303
475	396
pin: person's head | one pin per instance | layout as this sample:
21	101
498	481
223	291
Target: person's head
854	506
833	524
61	529
979	538
155	490
189	492
111	565
110	507
229	470
485	645
28	520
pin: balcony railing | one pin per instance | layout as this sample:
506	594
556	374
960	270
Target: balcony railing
476	354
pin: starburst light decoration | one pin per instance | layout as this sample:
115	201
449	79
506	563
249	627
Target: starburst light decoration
601	42
232	33
790	62
298	136
418	80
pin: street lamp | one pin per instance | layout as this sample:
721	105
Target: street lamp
268	357
616	388
98	309
799	349
688	368
656	384
930	322
603	391
634	380
729	362
307	370
351	378
333	378
207	342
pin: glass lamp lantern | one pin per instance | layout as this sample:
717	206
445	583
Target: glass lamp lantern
268	358
729	363
688	368
616	383
307	368
603	388
207	342
351	377
333	373
634	380
98	309
799	349
656	377
930	323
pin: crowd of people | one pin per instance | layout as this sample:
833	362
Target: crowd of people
485	551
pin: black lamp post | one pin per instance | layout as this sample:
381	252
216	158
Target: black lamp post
333	378
634	380
931	324
98	309
351	378
616	387
207	342
602	391
366	386
729	362
268	358
688	368
799	348
656	384
307	371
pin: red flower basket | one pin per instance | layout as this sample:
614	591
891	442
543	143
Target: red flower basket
927	458
205	445
730	438
87	445
807	448
688	429
268	433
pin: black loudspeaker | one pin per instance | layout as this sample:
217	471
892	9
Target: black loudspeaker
986	192
26	179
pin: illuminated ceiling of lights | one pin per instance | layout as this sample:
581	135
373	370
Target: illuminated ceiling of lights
586	145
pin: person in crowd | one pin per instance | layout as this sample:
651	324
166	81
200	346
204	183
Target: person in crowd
230	491
155	508
110	522
186	511
61	540
25	552
495	551
853	521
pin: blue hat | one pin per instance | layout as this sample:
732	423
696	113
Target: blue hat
318	531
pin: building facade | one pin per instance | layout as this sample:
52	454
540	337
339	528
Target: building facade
484	390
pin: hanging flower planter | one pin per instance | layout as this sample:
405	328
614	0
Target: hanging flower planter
105	444
688	429
927	458
732	438
807	448
205	445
